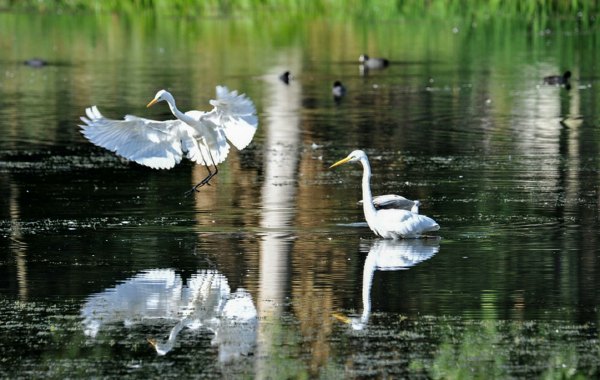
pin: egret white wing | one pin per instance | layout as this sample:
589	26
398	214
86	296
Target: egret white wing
236	115
404	223
156	144
207	138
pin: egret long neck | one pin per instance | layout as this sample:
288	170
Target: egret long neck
178	114
164	348
368	207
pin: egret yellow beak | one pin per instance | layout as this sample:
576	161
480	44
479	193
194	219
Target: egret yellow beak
342	318
152	342
152	102
340	162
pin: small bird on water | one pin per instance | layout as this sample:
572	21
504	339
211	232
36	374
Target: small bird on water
558	79
373	63
285	77
338	90
35	62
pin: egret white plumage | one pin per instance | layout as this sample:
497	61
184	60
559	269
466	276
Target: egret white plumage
387	223
203	137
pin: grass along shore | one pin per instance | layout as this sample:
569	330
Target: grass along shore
530	9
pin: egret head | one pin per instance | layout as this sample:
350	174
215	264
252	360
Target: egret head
355	323
161	349
160	96
355	156
363	58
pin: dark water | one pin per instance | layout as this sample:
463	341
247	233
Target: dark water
271	272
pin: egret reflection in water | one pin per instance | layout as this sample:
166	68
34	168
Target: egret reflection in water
159	295
389	255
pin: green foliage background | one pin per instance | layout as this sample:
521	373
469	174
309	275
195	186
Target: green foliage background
337	8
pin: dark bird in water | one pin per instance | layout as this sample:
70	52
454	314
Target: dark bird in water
338	89
373	63
558	79
35	62
285	77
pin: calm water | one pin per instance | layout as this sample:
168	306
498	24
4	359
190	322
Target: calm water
271	272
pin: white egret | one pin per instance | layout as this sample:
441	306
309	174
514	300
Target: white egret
387	223
391	201
201	136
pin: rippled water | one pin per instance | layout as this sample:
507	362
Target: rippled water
272	272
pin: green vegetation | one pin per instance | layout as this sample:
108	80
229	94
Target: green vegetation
341	8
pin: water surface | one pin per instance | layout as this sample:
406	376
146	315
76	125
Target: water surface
271	272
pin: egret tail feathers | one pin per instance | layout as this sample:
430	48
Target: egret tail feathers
236	115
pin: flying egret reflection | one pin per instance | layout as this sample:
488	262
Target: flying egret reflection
202	136
389	255
158	295
387	223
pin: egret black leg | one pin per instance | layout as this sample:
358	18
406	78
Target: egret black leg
206	180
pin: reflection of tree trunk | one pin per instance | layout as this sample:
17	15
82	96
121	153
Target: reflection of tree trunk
17	245
580	183
282	145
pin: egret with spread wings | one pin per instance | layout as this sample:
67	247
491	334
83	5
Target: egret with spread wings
203	137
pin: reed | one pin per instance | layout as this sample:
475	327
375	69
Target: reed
530	9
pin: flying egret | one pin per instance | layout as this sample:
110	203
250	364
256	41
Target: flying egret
387	223
390	201
202	136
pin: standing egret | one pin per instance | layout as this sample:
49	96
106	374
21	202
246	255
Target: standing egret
387	223
201	136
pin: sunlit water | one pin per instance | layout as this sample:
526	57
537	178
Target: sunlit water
271	272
